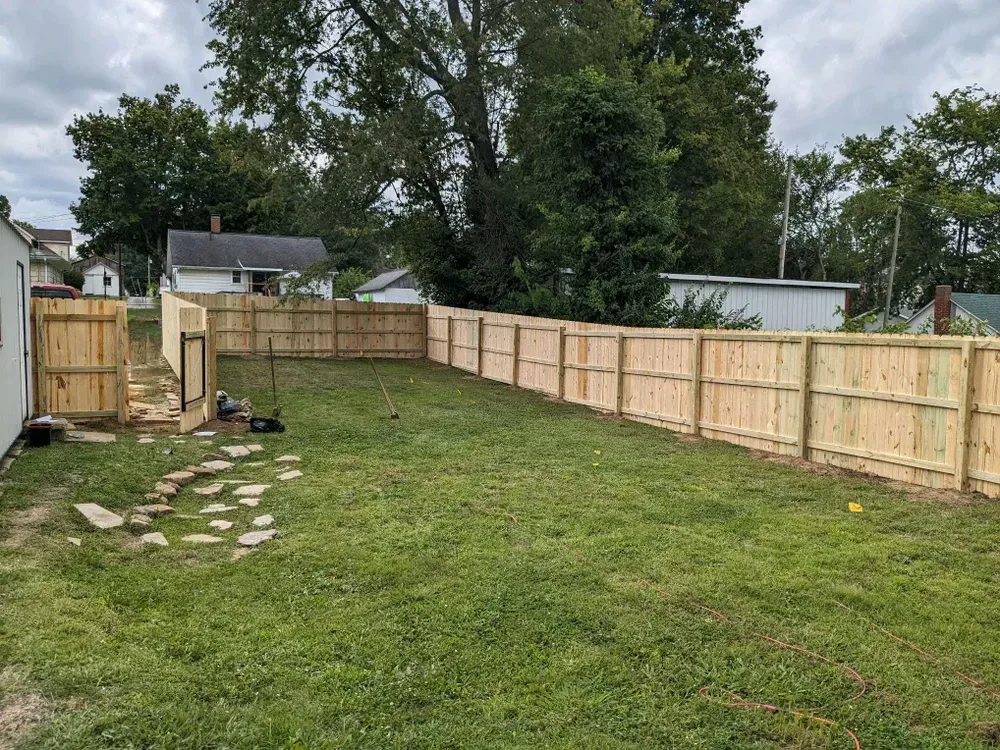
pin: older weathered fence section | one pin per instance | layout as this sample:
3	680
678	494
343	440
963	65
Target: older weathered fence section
80	350
313	328
917	409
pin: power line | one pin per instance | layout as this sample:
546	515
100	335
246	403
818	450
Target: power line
946	210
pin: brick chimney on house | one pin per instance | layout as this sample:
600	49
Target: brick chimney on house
942	310
216	223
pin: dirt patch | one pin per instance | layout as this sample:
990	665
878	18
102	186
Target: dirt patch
20	710
22	524
913	491
223	427
987	732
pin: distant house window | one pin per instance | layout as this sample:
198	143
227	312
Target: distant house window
237	277
107	281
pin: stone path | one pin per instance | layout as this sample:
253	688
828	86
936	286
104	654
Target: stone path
263	520
289	475
250	490
99	517
154	538
201	538
253	538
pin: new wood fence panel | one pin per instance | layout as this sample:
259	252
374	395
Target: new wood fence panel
313	328
913	408
80	350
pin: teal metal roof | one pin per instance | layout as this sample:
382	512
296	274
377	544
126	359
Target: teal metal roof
983	306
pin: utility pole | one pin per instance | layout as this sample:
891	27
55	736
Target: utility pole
892	265
784	223
121	273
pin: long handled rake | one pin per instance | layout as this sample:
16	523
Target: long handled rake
388	401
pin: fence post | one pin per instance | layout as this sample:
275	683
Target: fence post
121	360
965	392
479	345
253	325
211	378
41	356
517	349
805	374
426	323
561	364
333	328
619	374
448	341
695	382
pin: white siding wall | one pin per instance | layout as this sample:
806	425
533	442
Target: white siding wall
13	405
783	308
93	281
207	280
926	318
43	273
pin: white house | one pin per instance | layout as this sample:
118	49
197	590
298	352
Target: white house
935	316
15	342
217	261
395	285
783	304
47	266
101	276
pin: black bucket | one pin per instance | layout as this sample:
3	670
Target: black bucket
39	435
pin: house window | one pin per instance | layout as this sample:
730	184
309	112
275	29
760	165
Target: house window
107	281
237	277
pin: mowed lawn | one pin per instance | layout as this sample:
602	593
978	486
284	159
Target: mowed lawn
492	570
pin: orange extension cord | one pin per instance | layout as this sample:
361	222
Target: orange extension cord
932	657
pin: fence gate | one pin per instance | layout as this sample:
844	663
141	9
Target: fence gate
197	371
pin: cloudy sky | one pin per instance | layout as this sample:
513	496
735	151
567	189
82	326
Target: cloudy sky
837	67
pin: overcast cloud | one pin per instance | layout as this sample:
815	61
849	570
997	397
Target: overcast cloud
837	67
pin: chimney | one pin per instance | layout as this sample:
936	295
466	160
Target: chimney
942	310
216	223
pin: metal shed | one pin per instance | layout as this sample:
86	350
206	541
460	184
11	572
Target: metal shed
783	304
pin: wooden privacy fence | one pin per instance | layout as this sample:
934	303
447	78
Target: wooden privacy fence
189	348
80	358
312	328
918	409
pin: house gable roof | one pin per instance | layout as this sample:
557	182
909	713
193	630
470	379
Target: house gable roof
52	235
382	280
236	251
986	307
86	264
48	256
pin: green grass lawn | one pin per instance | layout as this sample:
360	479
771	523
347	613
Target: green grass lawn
476	574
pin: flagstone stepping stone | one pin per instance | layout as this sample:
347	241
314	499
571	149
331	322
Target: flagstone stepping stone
217	508
287	459
153	511
146	441
180	478
263	520
202	471
140	521
254	448
188	517
253	538
289	475
98	516
154	496
75	541
251	502
154	538
255	464
220	524
213	457
218	465
235	451
250	490
201	538
233	481
211	489
166	489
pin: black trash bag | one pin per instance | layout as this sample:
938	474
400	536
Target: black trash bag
265	424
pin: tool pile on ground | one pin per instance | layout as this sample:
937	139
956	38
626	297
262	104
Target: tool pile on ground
233	411
160	501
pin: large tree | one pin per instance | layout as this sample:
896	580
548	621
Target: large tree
403	109
153	165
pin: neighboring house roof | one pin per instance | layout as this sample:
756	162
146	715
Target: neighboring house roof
249	251
986	307
20	232
383	280
696	278
52	235
86	264
44	254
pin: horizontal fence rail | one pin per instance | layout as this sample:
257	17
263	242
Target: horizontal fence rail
916	409
311	328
